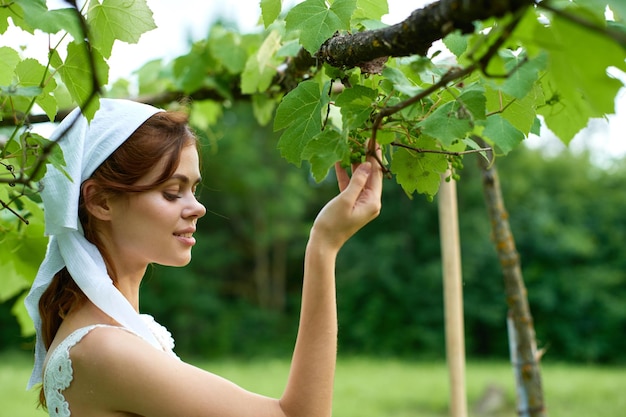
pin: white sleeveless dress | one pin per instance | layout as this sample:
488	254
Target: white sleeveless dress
58	373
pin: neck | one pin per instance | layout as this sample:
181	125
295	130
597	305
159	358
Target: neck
129	287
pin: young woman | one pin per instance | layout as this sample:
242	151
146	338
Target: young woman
127	200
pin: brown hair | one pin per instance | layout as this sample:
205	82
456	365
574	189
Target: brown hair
163	134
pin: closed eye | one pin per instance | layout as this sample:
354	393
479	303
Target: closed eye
170	197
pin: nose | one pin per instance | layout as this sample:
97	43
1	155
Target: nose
195	209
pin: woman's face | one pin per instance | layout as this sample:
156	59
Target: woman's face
156	226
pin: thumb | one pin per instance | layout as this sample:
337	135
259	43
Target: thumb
358	181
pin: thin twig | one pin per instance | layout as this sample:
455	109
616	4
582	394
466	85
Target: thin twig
439	151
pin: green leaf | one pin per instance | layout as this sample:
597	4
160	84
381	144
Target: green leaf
419	171
16	13
401	82
456	43
474	101
270	10
150	77
118	20
564	114
8	61
520	113
226	46
261	66
31	74
37	14
55	158
357	104
21	314
577	85
263	108
323	151
12	281
205	113
77	76
300	114
370	9
448	123
502	133
318	22
523	72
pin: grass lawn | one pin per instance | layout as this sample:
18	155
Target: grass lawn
389	388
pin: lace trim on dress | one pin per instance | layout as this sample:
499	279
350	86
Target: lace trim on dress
58	373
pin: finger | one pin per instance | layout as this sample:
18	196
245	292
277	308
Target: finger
343	179
358	181
374	181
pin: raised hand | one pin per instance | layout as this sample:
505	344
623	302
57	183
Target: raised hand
358	203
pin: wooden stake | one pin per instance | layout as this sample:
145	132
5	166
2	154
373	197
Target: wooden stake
453	295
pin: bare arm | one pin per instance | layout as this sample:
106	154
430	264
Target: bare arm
310	386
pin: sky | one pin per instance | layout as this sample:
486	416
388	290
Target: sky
181	21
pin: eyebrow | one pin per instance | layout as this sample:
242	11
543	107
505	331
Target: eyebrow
185	179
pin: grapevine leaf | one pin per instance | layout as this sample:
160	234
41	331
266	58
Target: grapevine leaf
300	114
190	70
502	133
520	113
76	75
226	46
150	77
16	14
38	16
8	61
260	67
22	250
31	74
447	124
12	280
323	151
523	72
263	108
357	104
578	86
318	22
400	81
205	113
456	43
419	171
270	10
23	318
4	16
55	158
118	19
474	101
564	114
371	9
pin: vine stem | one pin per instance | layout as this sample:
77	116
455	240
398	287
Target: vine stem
15	213
439	151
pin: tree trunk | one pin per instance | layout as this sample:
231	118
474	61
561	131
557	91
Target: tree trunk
523	346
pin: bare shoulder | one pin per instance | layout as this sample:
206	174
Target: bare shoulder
117	371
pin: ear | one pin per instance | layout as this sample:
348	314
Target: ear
95	202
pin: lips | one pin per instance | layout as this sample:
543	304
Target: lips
186	236
185	232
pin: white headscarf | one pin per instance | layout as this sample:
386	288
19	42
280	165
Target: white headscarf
85	146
